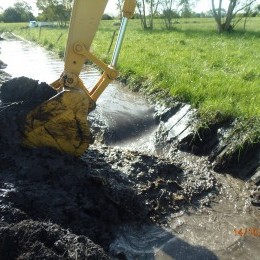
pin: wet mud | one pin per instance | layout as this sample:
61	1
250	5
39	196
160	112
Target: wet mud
221	144
121	200
60	206
3	75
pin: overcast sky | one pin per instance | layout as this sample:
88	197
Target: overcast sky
203	5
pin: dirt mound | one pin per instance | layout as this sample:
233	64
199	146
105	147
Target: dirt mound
87	197
33	239
43	185
18	97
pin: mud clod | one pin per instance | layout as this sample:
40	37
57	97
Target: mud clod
43	240
18	97
26	90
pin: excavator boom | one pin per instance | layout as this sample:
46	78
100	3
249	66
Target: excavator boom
84	22
61	122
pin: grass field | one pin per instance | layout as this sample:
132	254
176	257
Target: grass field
219	74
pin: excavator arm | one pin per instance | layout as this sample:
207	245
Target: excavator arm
61	122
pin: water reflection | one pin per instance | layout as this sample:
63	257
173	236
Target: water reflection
154	242
200	233
126	116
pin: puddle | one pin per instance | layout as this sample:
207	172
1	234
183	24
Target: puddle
207	233
214	227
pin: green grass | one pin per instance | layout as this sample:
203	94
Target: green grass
219	74
215	73
51	38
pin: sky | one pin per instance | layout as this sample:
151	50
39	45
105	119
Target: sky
203	5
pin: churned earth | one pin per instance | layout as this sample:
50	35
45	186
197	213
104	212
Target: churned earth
56	206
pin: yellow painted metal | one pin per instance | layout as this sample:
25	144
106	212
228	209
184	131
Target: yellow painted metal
85	18
109	74
60	123
129	8
100	86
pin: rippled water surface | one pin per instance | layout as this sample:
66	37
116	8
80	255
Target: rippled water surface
206	233
127	115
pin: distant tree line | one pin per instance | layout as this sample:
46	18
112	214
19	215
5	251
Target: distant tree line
54	10
147	10
171	10
20	12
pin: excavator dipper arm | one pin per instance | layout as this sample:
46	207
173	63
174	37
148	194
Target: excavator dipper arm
61	122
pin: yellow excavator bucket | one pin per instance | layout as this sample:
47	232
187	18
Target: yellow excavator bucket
61	122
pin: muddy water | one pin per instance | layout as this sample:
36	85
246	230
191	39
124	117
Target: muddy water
198	233
121	112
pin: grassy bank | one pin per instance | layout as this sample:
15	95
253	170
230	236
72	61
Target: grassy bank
217	74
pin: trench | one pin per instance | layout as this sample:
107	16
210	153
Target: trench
120	112
125	121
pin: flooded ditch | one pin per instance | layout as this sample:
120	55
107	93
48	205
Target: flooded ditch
137	193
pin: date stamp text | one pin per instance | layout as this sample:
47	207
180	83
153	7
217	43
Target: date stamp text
247	232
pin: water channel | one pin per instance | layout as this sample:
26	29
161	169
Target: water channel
131	122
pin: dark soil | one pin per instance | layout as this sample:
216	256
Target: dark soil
55	206
226	153
223	147
48	191
3	75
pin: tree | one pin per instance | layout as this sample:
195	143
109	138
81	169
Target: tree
256	10
147	10
119	6
186	8
234	7
173	9
25	10
20	12
169	13
11	15
107	17
55	10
